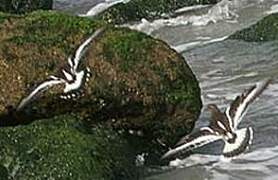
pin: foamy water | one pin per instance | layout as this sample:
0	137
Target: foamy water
273	9
221	11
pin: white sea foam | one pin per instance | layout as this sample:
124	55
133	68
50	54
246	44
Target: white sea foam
195	159
149	26
221	11
258	162
263	154
191	8
187	46
273	9
255	161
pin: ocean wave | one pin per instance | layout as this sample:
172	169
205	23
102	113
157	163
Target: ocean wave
191	8
273	9
224	10
187	46
258	161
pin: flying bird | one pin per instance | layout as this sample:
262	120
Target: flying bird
71	75
223	126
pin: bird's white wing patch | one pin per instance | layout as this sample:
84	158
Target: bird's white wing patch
76	84
231	121
243	140
42	87
192	144
80	50
239	106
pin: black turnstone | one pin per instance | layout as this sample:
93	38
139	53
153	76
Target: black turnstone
223	126
72	75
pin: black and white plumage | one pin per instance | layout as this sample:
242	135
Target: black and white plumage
223	126
72	76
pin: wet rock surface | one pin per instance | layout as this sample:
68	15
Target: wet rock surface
135	10
264	30
24	6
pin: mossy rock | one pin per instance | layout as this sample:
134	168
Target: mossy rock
264	30
139	85
135	10
57	149
24	6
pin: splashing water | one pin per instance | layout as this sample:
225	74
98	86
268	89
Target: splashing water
221	11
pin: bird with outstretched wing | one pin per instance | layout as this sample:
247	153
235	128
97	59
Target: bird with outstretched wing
223	126
72	76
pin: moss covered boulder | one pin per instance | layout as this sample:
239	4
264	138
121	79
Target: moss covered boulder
24	6
140	88
60	148
135	10
264	30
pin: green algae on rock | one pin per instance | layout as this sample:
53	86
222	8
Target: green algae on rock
24	6
56	149
264	30
135	10
139	84
4	16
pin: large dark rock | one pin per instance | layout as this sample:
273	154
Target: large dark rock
140	88
135	10
264	30
24	6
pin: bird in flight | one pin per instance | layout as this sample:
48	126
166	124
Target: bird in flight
71	75
223	126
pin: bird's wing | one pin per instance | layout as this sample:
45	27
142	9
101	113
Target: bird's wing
39	89
81	49
218	121
242	141
192	141
239	106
